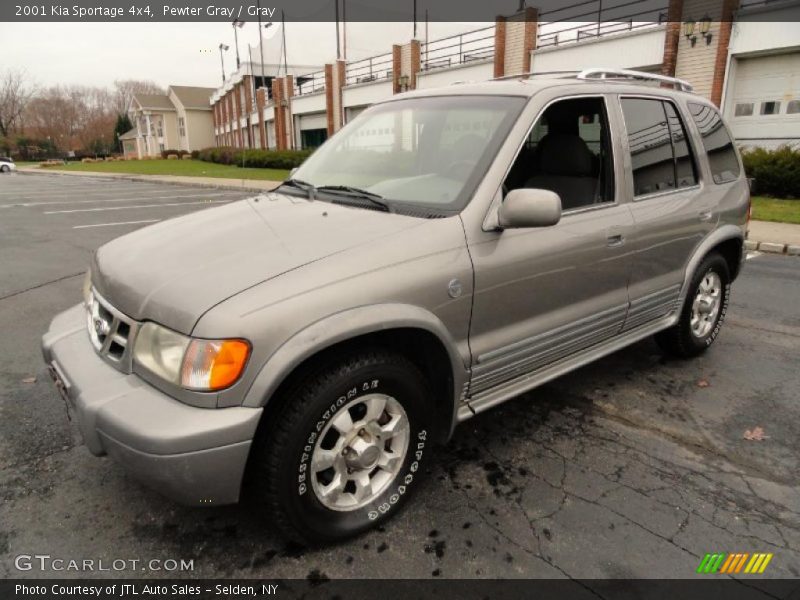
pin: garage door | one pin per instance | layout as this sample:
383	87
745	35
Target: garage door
313	121
764	106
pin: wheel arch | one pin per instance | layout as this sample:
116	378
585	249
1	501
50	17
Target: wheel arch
728	240
413	332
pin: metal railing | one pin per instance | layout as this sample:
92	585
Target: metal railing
458	49
308	83
555	28
372	68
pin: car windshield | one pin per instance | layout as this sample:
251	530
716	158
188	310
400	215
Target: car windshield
429	152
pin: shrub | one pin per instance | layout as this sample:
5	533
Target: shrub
177	153
263	159
776	172
195	154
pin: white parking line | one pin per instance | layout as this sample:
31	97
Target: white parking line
120	223
77	210
752	255
127	199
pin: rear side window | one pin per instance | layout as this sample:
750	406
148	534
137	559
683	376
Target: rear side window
717	143
660	153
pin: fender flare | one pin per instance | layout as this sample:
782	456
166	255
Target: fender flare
722	234
340	327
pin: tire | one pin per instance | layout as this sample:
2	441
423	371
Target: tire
5	169
684	340
289	487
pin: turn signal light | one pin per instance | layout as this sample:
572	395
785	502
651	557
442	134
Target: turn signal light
213	364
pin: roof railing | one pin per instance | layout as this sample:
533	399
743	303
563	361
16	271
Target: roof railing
627	74
529	74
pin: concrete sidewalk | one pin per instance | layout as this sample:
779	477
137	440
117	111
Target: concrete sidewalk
255	185
774	237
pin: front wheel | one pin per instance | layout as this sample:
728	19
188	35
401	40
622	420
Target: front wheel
703	311
346	448
5	168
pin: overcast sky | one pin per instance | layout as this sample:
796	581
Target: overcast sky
180	53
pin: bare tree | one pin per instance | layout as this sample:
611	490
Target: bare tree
15	92
124	89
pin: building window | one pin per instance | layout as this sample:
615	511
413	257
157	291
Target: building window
161	147
793	107
770	108
745	109
182	126
717	142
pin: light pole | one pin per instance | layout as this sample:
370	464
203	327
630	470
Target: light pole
222	48
237	25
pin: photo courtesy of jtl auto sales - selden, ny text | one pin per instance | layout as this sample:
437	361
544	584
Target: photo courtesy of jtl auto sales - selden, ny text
400	299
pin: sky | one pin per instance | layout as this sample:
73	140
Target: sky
181	53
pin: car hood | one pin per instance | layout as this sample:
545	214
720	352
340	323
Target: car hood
175	271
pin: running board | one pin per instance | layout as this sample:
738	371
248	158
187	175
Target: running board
486	400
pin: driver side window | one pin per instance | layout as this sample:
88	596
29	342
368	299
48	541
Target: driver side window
568	151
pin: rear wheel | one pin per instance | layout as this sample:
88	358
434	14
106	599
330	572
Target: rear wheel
703	311
346	449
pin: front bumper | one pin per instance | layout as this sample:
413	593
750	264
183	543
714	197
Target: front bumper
196	456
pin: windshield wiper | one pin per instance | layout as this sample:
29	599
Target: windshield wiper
302	185
375	199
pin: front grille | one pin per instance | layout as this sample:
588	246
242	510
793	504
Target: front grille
111	332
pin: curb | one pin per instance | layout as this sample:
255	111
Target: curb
146	179
772	247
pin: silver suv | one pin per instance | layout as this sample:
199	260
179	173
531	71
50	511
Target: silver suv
446	251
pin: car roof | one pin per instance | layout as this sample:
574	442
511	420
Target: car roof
527	86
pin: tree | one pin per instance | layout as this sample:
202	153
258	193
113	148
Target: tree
124	89
14	96
123	125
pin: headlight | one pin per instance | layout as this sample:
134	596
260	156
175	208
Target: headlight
203	365
87	288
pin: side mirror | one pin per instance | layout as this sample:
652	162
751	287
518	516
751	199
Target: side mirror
529	208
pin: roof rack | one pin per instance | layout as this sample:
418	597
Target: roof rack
530	74
600	73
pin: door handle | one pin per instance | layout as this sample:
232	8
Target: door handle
614	241
705	215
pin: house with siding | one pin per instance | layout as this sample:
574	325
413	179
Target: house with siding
178	120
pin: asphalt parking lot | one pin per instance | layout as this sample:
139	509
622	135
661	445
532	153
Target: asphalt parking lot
632	467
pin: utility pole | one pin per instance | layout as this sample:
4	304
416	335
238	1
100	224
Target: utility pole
237	24
415	19
338	45
222	47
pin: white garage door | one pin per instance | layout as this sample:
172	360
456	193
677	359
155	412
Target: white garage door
314	121
764	106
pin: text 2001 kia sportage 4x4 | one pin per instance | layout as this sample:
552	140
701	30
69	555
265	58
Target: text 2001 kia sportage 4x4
446	251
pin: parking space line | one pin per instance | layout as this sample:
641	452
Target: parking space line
127	199
105	208
119	223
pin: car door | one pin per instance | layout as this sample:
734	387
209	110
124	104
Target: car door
544	293
671	208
